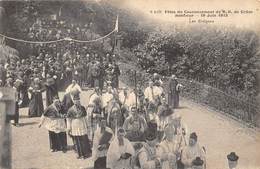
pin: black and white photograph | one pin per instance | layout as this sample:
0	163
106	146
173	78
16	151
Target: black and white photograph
129	84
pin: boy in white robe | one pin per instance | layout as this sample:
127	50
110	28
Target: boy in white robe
108	96
167	149
120	152
148	157
103	136
151	92
191	152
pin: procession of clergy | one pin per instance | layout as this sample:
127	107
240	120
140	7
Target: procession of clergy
126	129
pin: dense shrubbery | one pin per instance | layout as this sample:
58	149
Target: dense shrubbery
221	57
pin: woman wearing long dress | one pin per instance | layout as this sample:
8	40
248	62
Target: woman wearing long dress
36	102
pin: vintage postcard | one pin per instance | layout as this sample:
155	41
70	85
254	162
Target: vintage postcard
129	84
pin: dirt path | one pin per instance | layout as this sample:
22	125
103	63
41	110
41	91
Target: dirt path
221	135
218	133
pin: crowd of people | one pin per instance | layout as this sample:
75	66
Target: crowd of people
128	128
120	128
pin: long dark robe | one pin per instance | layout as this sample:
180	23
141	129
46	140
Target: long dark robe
67	102
101	78
115	79
24	94
85	73
36	103
16	115
2	74
100	163
173	94
81	143
89	75
58	141
95	73
68	77
51	91
79	76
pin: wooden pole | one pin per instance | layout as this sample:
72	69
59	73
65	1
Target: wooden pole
135	81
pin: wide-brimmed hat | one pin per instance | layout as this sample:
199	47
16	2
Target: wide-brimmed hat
197	162
232	156
194	136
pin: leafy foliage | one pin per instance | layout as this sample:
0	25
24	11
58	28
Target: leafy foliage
224	58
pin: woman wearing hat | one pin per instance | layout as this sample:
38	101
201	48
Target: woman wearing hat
77	127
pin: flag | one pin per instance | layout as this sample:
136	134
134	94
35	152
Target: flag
60	11
53	17
116	26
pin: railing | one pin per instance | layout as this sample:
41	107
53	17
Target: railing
245	110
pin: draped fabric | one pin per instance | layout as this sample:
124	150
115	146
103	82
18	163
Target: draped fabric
76	111
99	140
54	119
167	150
53	112
58	141
189	154
115	151
173	93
